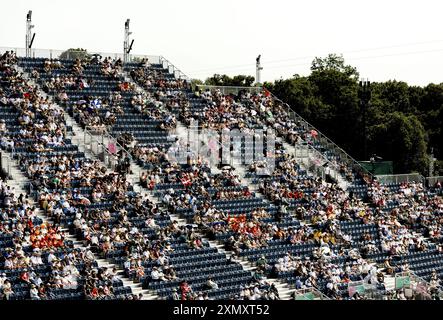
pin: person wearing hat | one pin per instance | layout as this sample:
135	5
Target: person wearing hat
36	258
169	273
25	276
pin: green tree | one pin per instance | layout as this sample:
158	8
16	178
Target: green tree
300	94
403	122
394	96
225	80
402	139
338	115
431	115
334	62
195	83
72	54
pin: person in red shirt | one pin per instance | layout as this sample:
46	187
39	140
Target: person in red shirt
186	181
185	290
151	184
94	293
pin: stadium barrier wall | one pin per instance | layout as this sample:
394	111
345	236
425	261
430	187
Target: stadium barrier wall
400	178
431	181
309	294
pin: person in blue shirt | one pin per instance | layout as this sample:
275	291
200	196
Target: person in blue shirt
298	283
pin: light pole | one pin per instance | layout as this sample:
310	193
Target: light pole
258	69
364	95
127	47
29	37
431	163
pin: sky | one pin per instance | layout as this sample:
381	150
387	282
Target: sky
383	39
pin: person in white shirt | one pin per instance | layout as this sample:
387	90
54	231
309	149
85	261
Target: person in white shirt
2	126
157	274
36	258
211	284
127	264
150	223
114	275
89	256
9	264
94	240
51	256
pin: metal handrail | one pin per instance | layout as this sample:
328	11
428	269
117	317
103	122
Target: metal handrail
417	279
433	180
229	89
106	134
182	75
114	140
314	290
399	178
6	163
294	116
317	154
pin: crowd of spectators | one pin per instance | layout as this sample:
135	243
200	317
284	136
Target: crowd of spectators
150	77
46	263
315	210
92	109
321	205
45	260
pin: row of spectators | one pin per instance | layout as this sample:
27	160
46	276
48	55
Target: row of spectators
92	110
101	111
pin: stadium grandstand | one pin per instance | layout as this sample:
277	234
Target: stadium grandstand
124	180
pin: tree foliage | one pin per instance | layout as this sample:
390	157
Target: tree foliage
225	80
403	122
72	54
401	138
